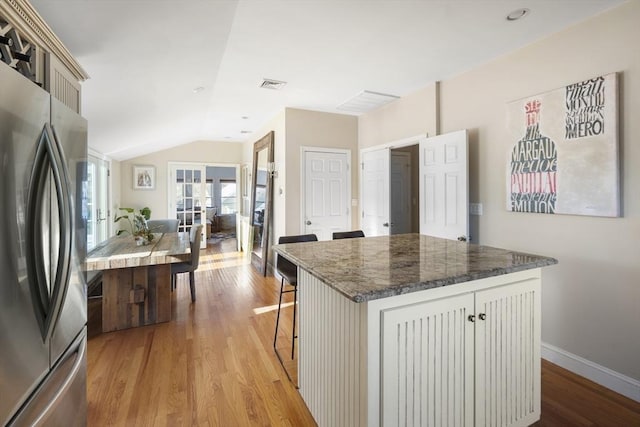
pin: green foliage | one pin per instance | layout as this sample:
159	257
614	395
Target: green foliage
137	222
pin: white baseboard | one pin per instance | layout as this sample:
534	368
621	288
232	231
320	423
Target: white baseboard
612	380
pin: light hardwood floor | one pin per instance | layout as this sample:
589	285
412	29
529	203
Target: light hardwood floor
214	364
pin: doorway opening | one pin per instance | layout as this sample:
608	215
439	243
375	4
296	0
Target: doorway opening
404	190
221	203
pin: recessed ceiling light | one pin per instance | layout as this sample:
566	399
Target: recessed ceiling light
246	131
244	117
518	14
198	89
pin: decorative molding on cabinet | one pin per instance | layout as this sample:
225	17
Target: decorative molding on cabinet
606	377
26	19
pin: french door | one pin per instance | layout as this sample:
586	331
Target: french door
187	196
97	201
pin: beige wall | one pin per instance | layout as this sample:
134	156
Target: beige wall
295	128
591	300
411	115
316	129
203	152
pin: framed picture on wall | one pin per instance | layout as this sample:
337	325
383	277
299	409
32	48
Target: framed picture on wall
144	177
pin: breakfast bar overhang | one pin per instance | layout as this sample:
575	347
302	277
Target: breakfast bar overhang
416	330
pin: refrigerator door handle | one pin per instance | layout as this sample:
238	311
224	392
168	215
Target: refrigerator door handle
65	209
48	303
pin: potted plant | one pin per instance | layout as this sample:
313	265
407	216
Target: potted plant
138	227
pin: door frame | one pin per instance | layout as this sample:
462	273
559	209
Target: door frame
172	163
303	150
108	160
408	174
399	143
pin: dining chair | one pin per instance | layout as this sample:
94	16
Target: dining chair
195	235
289	272
347	234
163	225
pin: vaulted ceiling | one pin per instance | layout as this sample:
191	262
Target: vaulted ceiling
169	72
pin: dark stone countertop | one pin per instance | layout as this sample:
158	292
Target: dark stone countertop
369	268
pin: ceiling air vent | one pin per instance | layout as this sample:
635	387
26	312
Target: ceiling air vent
366	101
272	84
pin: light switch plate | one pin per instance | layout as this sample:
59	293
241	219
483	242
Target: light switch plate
475	208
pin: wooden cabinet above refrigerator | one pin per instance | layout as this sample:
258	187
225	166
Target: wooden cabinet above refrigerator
28	45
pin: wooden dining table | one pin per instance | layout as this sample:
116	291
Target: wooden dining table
136	280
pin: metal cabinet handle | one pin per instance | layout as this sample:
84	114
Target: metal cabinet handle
471	318
482	316
308	222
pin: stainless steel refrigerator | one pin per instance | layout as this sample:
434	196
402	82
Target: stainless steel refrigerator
43	315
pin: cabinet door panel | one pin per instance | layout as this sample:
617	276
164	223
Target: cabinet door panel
427	363
508	355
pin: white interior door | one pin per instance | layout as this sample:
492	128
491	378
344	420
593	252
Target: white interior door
400	192
187	197
444	192
375	192
97	201
327	191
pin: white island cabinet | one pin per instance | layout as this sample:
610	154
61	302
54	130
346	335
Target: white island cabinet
412	330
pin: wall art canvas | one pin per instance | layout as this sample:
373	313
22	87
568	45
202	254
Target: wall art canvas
564	157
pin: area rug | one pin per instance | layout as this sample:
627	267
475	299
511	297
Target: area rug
219	236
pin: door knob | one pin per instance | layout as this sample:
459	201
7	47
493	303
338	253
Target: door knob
386	224
308	222
462	238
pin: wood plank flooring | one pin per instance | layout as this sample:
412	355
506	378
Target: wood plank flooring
214	364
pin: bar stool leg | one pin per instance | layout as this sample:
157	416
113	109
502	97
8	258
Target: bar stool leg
275	337
295	303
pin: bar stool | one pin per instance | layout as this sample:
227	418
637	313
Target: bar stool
289	272
347	234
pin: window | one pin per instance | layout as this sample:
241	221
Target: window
210	193
96	193
227	197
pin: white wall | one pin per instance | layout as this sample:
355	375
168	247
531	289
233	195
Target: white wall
591	300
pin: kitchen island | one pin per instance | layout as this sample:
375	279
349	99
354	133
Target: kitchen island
416	330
